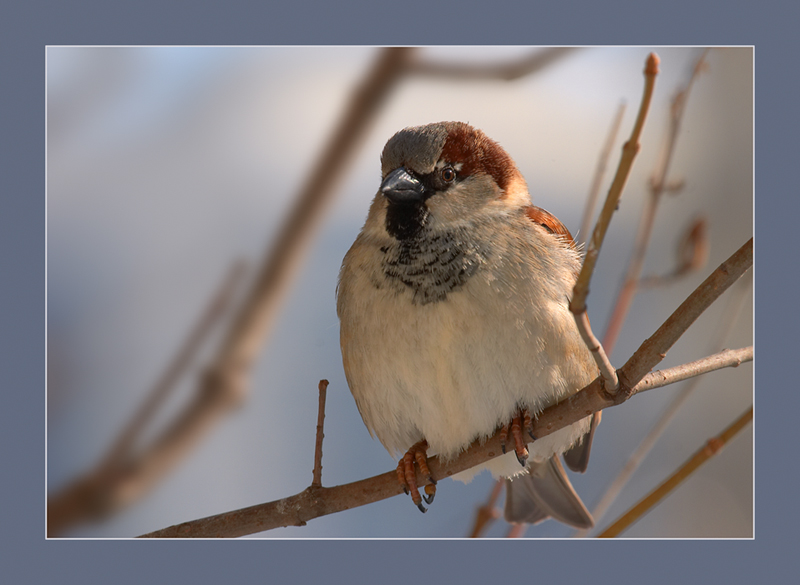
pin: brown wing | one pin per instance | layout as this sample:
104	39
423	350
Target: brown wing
577	458
549	222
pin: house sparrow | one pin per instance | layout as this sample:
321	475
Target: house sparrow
453	304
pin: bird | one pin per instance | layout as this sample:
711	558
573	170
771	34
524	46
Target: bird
454	320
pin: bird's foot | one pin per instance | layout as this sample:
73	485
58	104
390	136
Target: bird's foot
407	475
520	423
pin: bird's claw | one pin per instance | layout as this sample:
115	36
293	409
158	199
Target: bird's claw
521	421
406	475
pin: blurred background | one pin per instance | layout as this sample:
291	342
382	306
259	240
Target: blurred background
167	164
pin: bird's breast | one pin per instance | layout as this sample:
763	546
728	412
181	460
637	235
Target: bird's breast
432	267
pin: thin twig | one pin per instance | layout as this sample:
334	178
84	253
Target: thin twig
658	183
318	501
580	292
654	349
711	448
594	397
728	358
600	170
317	476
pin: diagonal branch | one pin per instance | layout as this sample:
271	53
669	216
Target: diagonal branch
711	448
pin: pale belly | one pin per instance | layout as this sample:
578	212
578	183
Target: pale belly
452	372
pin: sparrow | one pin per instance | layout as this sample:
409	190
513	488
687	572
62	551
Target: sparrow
454	319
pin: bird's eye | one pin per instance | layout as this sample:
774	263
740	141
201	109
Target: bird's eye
448	175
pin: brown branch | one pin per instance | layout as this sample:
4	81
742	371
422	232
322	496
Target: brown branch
594	397
658	184
318	501
581	290
711	448
317	475
507	71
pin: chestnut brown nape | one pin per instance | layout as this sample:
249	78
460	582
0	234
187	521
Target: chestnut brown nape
478	154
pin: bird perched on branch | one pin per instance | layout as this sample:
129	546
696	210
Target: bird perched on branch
453	303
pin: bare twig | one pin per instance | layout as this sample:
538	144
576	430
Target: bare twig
602	163
728	358
711	448
317	476
653	350
658	184
580	292
629	151
507	71
318	501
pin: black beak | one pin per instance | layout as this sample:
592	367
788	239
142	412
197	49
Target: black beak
400	186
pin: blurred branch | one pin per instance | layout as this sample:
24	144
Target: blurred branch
248	333
485	515
319	501
122	476
711	448
692	253
602	163
658	184
505	71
